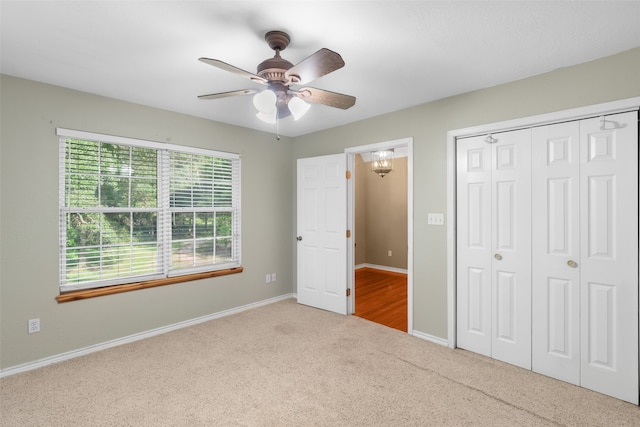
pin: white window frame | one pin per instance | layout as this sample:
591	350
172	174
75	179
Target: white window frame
164	228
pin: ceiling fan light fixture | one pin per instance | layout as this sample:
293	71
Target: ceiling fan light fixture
267	117
265	102
298	107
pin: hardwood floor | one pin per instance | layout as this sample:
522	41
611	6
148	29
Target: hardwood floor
381	296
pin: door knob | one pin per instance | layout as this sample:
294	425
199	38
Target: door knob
571	263
498	257
299	238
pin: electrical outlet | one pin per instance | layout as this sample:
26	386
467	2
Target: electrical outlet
273	277
34	325
390	253
268	278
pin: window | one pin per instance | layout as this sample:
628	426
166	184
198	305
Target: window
134	211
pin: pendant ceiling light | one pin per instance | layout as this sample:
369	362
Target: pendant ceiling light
382	162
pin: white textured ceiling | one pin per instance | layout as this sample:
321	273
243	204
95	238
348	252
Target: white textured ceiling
397	53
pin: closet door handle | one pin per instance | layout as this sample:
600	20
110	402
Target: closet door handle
498	257
571	263
299	238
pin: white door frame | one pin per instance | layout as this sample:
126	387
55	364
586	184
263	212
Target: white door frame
613	107
351	152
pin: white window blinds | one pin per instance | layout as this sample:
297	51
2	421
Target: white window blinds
204	218
133	210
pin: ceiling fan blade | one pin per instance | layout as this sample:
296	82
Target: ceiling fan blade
317	65
332	99
227	94
232	69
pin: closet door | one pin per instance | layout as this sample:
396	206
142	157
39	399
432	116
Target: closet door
474	245
585	253
609	255
494	246
556	251
511	248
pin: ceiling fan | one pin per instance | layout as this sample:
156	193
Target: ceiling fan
280	100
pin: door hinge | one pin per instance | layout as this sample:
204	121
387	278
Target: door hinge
348	233
348	174
348	292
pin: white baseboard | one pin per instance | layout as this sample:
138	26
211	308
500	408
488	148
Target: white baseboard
430	338
382	267
135	337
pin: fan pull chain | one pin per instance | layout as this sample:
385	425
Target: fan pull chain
277	128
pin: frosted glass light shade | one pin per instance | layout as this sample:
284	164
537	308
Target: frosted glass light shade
265	101
298	107
267	117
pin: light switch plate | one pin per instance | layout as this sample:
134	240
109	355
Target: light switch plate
435	219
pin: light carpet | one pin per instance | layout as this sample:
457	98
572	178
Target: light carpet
286	364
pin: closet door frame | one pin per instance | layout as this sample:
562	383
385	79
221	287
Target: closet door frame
629	104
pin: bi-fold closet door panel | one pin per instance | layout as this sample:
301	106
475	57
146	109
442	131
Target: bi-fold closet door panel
555	291
494	246
585	253
609	255
474	245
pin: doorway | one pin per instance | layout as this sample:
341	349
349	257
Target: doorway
381	297
380	261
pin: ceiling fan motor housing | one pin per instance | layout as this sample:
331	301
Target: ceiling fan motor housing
274	69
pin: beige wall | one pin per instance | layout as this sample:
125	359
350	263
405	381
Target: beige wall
381	215
30	112
608	79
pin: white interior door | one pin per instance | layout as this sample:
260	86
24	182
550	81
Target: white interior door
511	248
609	255
556	251
494	246
322	227
474	245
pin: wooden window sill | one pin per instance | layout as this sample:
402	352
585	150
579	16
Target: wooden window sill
117	289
